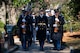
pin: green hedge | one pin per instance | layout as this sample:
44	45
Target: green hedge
1	28
0	35
1	24
75	26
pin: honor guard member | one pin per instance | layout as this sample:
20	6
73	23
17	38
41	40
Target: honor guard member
49	28
33	26
58	22
41	28
24	29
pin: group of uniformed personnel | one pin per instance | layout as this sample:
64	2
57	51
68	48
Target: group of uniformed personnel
32	28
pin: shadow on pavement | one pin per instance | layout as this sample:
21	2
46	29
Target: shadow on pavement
75	51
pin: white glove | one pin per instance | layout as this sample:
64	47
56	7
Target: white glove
48	25
23	26
33	16
54	25
56	19
36	28
23	20
47	32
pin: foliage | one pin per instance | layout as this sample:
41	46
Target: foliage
0	35
75	6
1	28
1	24
75	26
43	5
19	3
67	12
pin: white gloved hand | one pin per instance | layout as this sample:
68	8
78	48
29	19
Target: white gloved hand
33	16
23	20
54	25
47	32
23	26
56	19
48	25
36	28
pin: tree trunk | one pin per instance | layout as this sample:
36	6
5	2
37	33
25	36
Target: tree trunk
2	12
13	16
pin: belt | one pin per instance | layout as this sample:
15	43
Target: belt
41	28
41	24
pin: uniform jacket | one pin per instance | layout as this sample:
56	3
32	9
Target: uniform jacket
59	34
42	25
61	22
28	25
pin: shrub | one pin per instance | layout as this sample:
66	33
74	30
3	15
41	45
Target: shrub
1	24
1	28
75	26
0	35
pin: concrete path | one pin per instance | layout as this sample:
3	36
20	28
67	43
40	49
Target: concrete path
48	48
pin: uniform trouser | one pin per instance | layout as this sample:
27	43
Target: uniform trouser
29	42
61	31
41	42
34	34
48	38
62	37
23	42
57	44
10	39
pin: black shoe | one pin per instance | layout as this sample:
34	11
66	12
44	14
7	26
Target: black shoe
58	49
24	49
27	49
41	49
54	48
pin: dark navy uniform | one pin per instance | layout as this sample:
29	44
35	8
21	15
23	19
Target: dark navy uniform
24	24
33	17
41	33
49	28
57	35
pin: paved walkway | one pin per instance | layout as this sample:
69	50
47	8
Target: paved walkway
35	48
